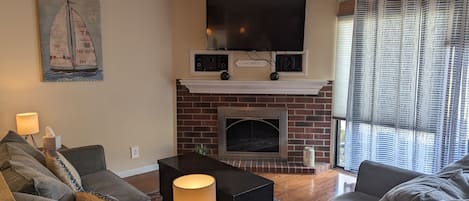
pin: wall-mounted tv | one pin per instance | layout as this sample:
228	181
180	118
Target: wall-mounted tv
261	25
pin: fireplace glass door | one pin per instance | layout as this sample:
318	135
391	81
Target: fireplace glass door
252	135
249	132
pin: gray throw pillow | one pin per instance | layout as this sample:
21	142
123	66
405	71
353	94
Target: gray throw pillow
460	164
452	186
25	174
17	140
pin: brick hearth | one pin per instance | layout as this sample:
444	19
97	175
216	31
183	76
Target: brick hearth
309	120
276	166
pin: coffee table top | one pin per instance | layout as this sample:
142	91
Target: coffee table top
229	179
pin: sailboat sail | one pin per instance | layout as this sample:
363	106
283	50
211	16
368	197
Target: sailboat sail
71	46
59	41
84	48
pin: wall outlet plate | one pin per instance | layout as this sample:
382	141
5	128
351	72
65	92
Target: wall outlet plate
134	152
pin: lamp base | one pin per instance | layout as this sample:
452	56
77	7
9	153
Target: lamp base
32	137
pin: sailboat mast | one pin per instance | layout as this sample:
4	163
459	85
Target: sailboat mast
71	35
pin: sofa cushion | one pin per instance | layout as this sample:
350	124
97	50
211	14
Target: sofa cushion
13	138
106	182
450	186
23	173
355	196
28	197
65	171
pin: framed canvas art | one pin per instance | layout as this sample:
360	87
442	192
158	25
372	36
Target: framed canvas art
71	40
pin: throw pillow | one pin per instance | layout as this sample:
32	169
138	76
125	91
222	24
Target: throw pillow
65	171
93	196
17	160
25	174
453	186
14	138
460	164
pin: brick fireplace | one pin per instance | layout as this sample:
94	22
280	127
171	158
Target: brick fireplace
309	119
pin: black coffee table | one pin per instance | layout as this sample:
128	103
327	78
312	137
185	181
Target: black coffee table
233	184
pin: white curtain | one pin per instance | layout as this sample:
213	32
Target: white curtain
408	96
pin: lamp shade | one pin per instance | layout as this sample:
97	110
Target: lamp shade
194	187
27	123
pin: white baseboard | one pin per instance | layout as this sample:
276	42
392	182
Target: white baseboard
137	171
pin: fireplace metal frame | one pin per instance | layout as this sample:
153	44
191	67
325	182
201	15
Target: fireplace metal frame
252	113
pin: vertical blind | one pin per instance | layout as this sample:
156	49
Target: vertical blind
342	65
407	103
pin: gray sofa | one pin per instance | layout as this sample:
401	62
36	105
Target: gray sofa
91	165
27	177
377	181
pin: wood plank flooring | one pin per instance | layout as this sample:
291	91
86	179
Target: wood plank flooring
288	187
322	187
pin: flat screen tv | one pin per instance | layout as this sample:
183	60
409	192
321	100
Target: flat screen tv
261	25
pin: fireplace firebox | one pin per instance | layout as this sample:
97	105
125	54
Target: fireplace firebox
247	132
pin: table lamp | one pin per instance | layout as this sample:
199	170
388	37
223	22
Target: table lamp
194	187
27	124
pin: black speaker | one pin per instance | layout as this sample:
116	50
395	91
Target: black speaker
210	62
289	63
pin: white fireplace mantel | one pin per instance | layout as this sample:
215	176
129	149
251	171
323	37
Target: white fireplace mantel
293	87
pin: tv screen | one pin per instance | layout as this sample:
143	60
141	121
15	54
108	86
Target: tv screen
262	25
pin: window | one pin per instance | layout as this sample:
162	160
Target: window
340	143
342	71
408	97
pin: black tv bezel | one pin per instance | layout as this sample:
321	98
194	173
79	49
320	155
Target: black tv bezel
261	50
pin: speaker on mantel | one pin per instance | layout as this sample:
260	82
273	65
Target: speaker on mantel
211	62
289	63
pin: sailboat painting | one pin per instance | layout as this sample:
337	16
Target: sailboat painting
71	40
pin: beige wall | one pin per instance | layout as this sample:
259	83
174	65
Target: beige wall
132	106
189	34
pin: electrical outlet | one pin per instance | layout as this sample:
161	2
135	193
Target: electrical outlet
134	152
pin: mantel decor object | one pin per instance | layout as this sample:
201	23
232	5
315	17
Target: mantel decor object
274	76
225	75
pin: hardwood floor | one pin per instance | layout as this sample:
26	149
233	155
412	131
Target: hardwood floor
322	187
288	187
147	183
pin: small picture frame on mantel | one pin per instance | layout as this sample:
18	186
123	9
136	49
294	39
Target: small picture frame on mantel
291	63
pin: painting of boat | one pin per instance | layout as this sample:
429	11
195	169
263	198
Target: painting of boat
70	40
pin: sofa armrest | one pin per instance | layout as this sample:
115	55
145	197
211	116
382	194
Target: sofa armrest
86	160
376	179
